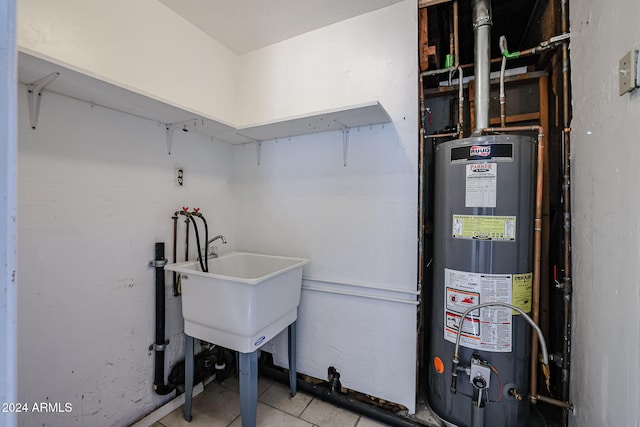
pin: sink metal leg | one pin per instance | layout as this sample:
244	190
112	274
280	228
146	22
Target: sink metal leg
292	359
188	376
248	387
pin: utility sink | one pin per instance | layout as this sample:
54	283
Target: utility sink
243	301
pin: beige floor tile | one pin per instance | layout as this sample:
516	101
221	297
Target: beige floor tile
157	425
327	415
263	384
367	422
217	407
278	396
271	417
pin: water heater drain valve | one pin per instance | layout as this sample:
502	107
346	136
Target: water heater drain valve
480	374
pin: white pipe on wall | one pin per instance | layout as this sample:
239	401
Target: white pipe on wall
370	291
361	285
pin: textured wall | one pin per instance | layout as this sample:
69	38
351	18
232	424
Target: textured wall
606	225
356	223
96	191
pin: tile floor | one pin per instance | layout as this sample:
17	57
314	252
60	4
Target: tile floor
219	406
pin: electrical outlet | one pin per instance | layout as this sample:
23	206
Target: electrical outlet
179	177
628	72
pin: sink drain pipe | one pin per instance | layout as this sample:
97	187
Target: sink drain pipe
331	395
160	343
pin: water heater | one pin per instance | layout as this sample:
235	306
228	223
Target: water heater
483	252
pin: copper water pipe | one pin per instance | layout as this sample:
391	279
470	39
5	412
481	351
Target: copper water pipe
456	42
551	401
537	248
442	135
460	103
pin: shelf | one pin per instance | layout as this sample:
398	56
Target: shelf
365	114
92	90
95	91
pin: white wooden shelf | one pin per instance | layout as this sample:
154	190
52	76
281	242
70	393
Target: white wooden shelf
91	89
353	116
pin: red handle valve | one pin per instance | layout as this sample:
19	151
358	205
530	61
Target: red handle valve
185	208
196	210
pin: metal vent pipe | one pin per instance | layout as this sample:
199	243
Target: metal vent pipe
481	13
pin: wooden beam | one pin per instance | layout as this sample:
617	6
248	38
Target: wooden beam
514	118
425	51
427	3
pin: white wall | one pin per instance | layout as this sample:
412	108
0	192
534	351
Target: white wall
365	58
96	191
140	45
356	223
606	226
8	206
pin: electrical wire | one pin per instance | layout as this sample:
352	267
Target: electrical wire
493	368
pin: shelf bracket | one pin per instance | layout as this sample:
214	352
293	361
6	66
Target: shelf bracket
345	143
169	129
35	90
258	151
185	125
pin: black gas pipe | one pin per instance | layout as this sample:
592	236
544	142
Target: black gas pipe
333	395
160	343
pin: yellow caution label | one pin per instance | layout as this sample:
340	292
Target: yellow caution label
484	227
522	292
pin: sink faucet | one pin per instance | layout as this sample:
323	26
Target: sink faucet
214	250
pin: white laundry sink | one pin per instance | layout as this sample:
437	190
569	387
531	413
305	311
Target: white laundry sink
243	301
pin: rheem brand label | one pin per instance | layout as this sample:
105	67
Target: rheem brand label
480	150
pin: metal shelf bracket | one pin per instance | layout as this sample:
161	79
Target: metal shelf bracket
35	90
258	151
345	142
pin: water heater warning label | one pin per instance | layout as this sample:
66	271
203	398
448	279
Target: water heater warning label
484	227
489	328
481	185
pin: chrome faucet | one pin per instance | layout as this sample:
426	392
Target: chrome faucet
214	250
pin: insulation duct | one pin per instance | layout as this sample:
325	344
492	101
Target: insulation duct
482	54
